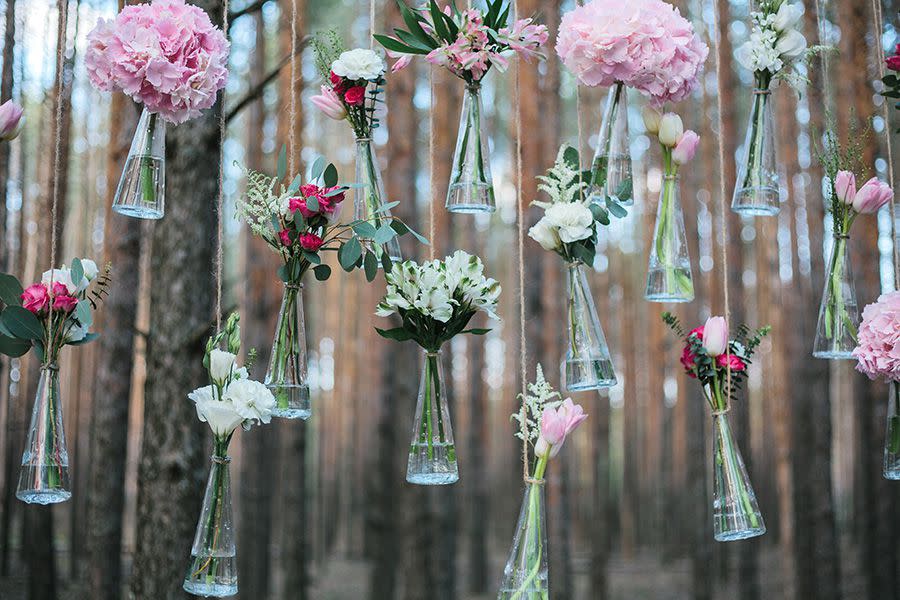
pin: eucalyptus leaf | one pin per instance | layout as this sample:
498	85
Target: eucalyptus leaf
330	176
312	258
22	323
370	264
615	209
283	273
312	204
385	207
476	331
317	168
386	263
83	314
10	290
384	234
322	272
295	185
570	155
14	347
76	270
365	229
282	163
87	339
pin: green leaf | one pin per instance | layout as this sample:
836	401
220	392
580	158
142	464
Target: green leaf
322	272
312	258
890	80
14	347
82	313
317	168
283	273
385	207
349	253
615	209
295	185
330	176
22	323
365	229
583	254
476	331
76	270
312	204
398	334
299	221
370	264
384	234
282	163
397	46
386	263
335	192
600	213
440	27
402	228
87	339
10	290
412	23
411	40
570	155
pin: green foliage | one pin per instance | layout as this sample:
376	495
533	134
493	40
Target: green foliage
327	47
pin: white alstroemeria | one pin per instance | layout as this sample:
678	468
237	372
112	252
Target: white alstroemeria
359	63
251	399
63	276
221	365
572	220
787	17
221	416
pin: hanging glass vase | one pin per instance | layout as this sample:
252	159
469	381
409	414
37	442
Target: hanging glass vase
736	514
611	171
669	276
44	476
838	313
369	204
432	455
141	192
526	575
588	365
757	191
286	376
892	436
471	188
213	568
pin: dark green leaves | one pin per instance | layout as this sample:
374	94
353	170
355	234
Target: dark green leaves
476	331
370	264
398	334
570	155
13	347
10	290
583	254
402	228
282	163
397	46
330	176
616	209
349	253
87	339
322	272
312	204
22	323
83	313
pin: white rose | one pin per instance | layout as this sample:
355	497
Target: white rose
63	276
90	269
221	416
787	16
220	365
544	234
251	399
791	45
572	220
359	63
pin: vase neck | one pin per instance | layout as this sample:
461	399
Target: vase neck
293	287
52	367
221	459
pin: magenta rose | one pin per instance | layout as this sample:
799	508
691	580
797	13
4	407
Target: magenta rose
723	360
285	236
64	302
338	84
893	62
310	242
35	298
355	96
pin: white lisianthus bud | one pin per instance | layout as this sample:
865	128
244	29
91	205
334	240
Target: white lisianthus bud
670	129
90	269
221	364
544	234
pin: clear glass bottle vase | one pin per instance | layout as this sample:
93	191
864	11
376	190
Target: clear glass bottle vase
432	454
44	474
526	574
669	277
286	376
892	434
141	192
611	175
369	199
757	191
839	312
471	188
587	365
213	568
736	514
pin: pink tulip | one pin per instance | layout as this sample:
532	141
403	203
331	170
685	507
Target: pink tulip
845	187
872	196
715	336
10	120
556	424
686	147
330	104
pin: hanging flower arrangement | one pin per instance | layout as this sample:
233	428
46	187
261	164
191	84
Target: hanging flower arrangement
720	365
301	222
45	317
839	311
570	227
467	43
435	302
669	277
891	81
231	400
645	45
168	56
544	424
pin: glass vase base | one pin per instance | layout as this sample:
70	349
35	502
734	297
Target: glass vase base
834	354
534	593
43	496
209	590
43	484
589	374
757	201
432	466
669	285
141	190
291	401
615	173
470	198
139	213
892	473
744	534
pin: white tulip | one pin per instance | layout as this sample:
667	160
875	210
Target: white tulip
221	364
544	234
787	16
791	45
670	129
652	118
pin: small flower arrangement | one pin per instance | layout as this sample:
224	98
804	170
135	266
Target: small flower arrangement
465	42
571	222
437	299
53	313
776	46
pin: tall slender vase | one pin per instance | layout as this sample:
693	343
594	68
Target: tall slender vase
736	514
611	171
757	189
141	192
526	574
588	365
369	204
213	568
669	277
892	435
432	455
44	476
839	312
471	188
286	376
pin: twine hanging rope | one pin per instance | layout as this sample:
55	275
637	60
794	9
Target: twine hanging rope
879	28
220	200
292	121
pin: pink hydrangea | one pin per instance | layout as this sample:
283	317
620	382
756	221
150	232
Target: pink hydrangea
166	55
645	44
878	346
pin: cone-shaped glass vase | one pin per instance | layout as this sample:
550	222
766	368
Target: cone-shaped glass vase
611	170
141	192
526	576
432	455
669	276
368	203
757	189
471	188
213	568
286	376
892	436
838	313
736	514
588	365
44	476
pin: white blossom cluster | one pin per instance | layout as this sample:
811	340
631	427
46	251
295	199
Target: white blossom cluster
259	204
437	288
540	395
567	216
775	43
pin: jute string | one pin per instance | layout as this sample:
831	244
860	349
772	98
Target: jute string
292	121
220	200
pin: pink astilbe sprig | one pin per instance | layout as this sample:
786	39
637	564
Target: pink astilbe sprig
167	55
878	345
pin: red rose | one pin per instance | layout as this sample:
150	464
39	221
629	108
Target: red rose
310	242
285	236
736	363
355	96
338	84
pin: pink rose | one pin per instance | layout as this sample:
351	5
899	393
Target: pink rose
35	298
285	236
845	187
872	196
688	358
737	364
64	302
355	96
686	147
310	242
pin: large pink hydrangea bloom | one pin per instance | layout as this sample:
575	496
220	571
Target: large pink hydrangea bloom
645	44
166	55
878	349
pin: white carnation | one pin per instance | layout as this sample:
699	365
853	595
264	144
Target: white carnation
359	63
